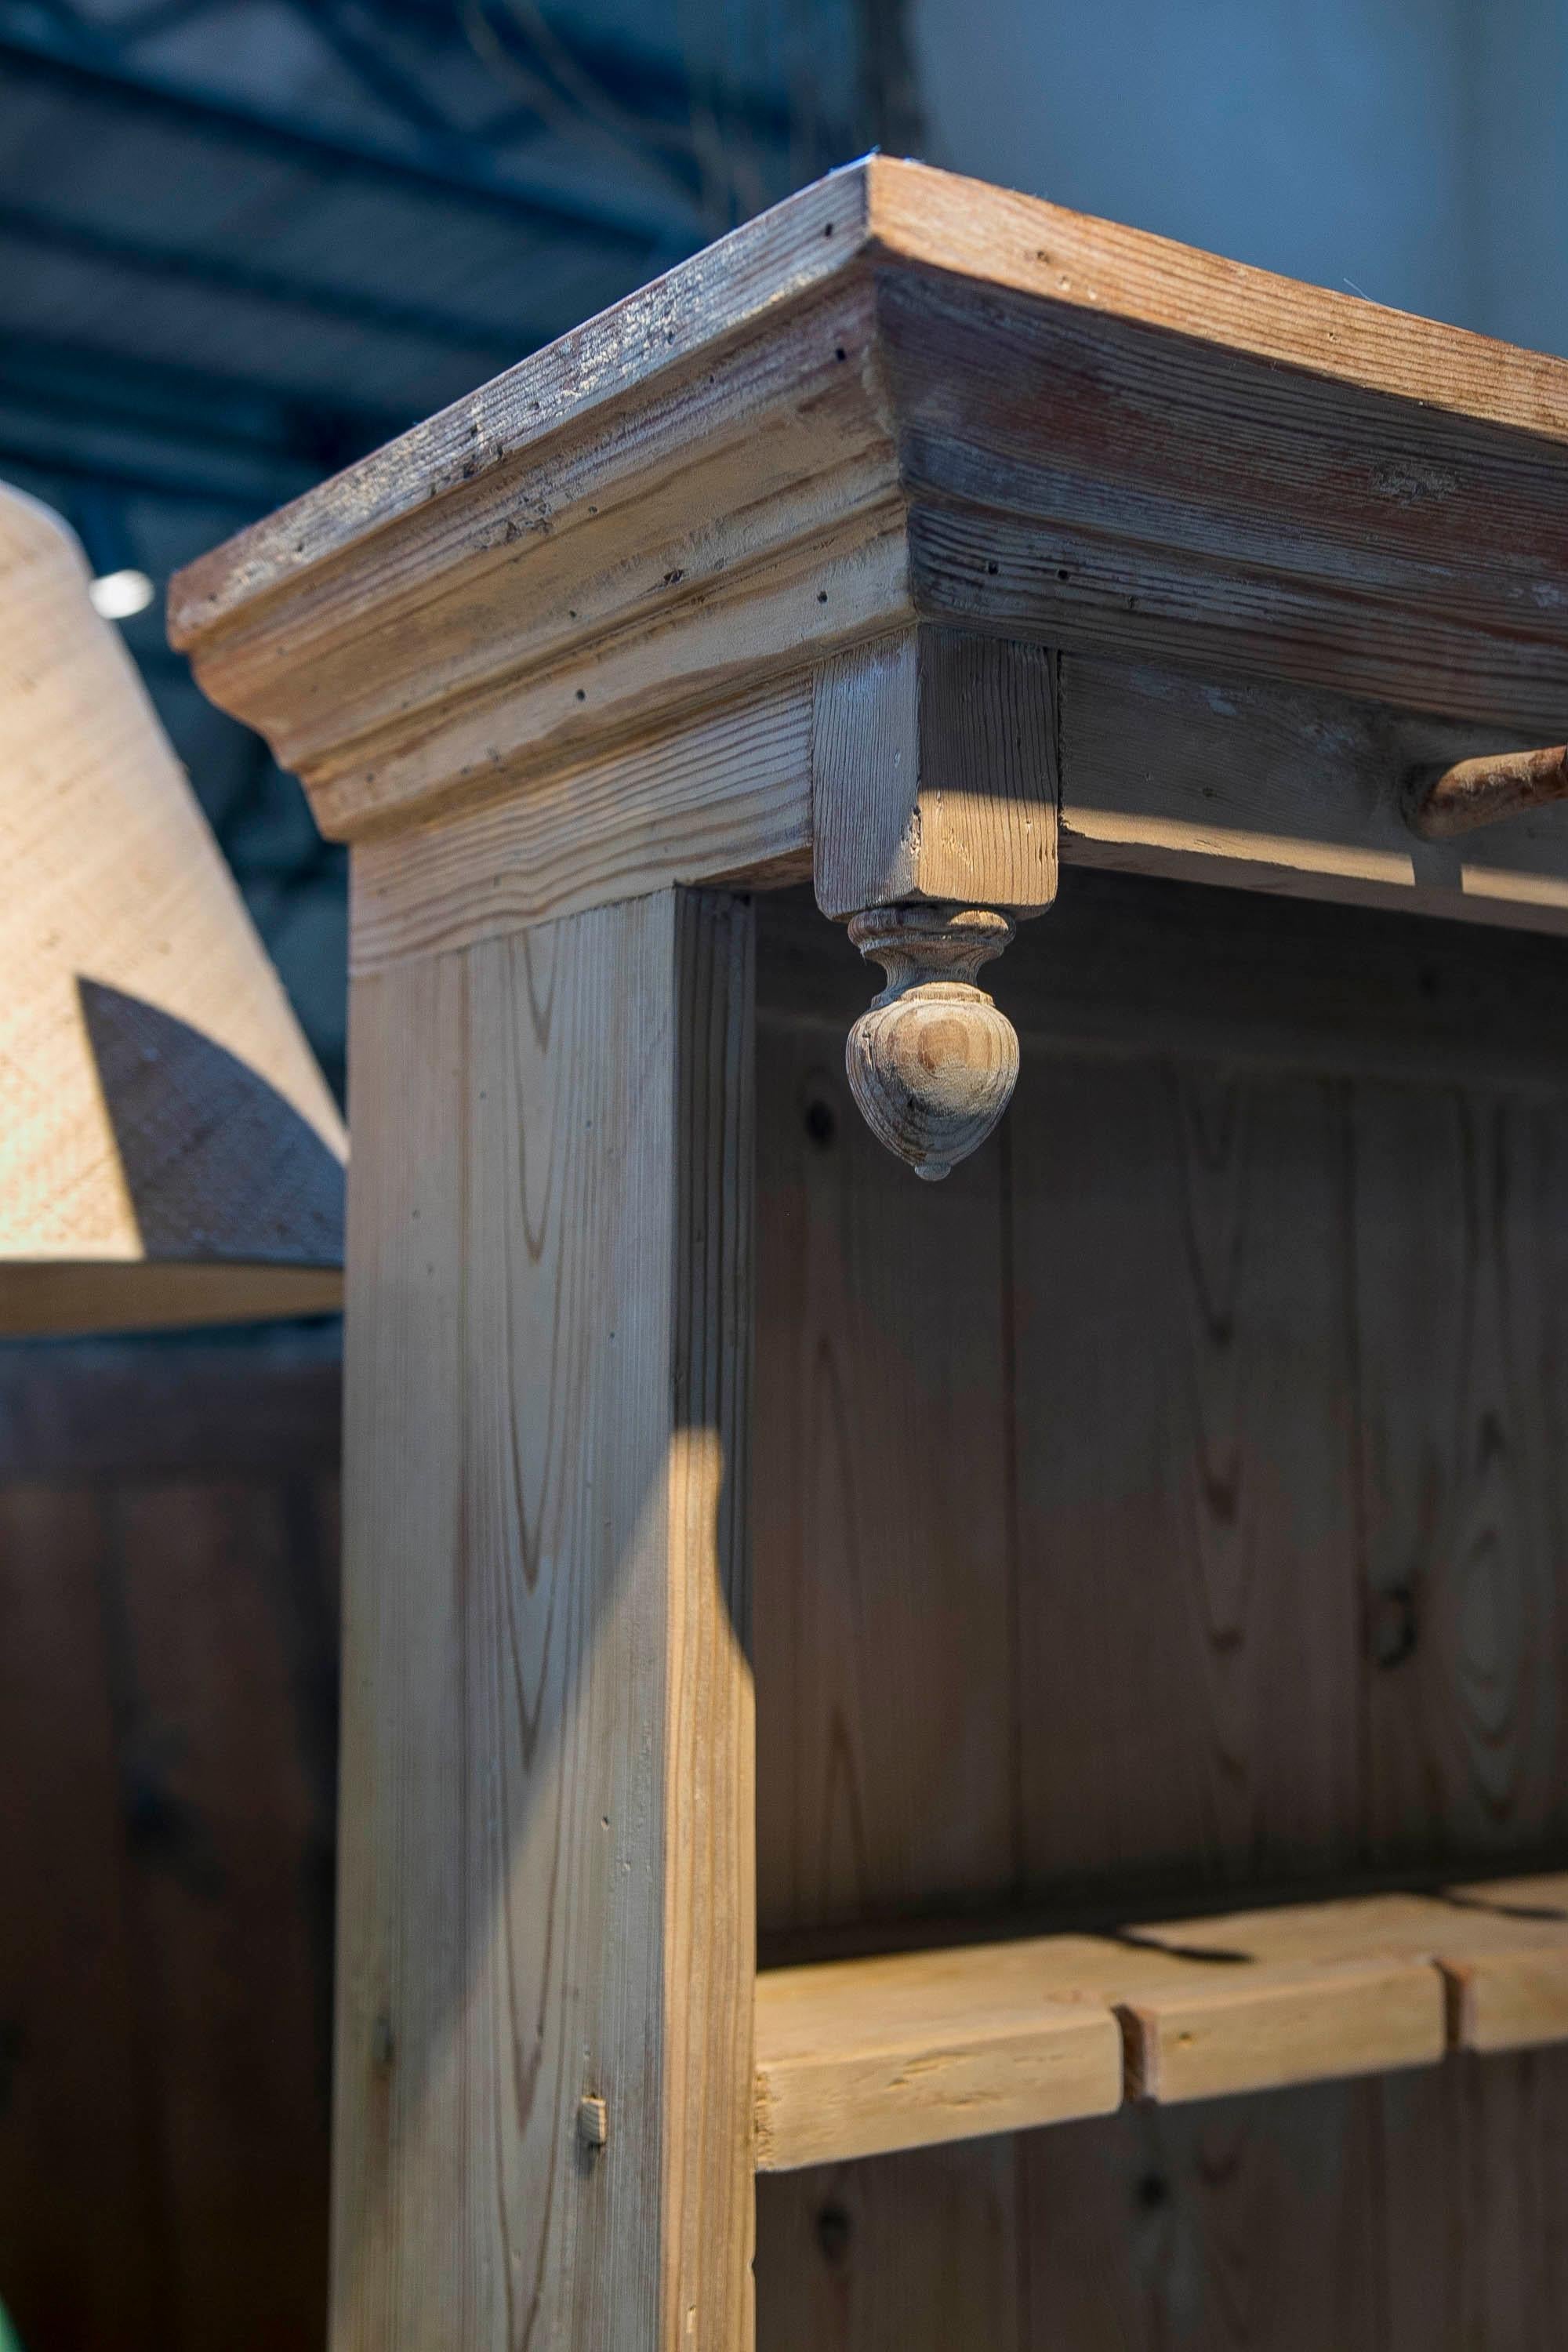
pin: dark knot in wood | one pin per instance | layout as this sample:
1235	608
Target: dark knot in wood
932	1063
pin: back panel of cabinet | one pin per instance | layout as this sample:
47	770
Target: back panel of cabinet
1170	1508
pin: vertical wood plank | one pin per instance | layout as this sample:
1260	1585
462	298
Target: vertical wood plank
898	2252
547	1890
935	772
884	1600
1269	1341
884	1613
168	1645
223	1804
1460	1259
1241	2225
79	2096
1190	1630
1418	2212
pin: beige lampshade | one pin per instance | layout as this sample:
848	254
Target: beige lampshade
169	1150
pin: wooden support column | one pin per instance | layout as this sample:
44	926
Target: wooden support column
934	790
545	2016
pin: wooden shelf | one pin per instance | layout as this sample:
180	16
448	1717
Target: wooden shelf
860	2057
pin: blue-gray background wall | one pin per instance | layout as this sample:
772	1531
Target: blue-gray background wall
1409	149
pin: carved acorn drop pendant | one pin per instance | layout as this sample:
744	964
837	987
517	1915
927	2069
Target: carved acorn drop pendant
933	1063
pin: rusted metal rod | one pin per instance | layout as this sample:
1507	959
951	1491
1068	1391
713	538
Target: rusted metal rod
1440	803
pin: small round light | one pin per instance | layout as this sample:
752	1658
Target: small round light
118	596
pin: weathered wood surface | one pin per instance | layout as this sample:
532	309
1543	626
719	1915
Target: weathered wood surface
934	773
863	2056
546	1827
1413	2212
729	795
168	1647
903	396
1485	791
1283	790
932	1063
1286	789
1220	1446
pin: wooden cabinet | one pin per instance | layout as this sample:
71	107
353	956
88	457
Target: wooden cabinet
997	1742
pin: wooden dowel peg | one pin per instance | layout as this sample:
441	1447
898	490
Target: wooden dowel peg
1441	805
932	1063
592	2122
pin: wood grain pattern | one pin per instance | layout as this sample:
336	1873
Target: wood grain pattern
1288	2026
167	1705
655	333
1281	789
1456	1487
850	1823
1414	2211
547	1803
932	1063
939	222
902	397
920	2249
1115	487
731	795
860	2057
1282	1202
934	773
1180	1360
552	610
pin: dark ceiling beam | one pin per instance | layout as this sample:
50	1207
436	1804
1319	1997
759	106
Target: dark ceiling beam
641	81
191	406
189	265
462	173
245	495
149	429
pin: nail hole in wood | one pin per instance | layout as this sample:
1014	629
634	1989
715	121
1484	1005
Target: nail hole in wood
834	2232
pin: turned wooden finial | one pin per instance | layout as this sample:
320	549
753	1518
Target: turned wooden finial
932	1063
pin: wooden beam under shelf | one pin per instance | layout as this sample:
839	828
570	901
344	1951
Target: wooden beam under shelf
860	2057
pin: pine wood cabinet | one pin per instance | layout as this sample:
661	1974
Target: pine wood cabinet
995	1744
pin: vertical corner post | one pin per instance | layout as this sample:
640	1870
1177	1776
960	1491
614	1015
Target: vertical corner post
935	791
543	2095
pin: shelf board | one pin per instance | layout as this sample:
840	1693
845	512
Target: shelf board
860	2057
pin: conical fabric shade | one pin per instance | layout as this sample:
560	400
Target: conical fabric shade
169	1150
